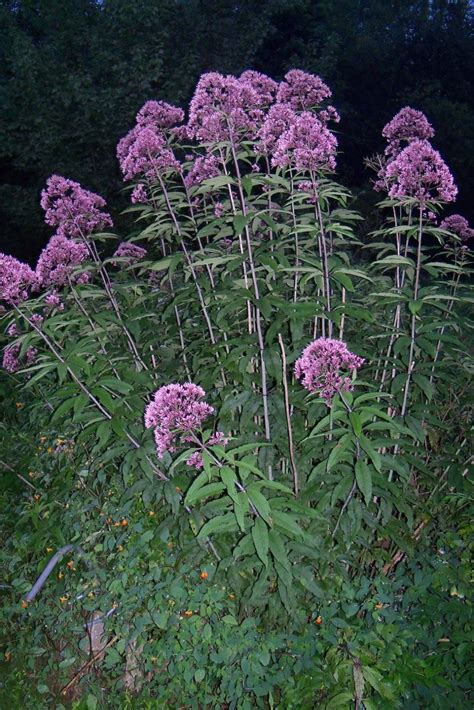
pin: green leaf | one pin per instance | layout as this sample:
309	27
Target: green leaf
364	479
199	675
356	423
424	385
221	523
260	502
277	548
260	540
371	452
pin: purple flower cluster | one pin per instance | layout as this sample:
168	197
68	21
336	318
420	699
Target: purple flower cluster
11	357
17	280
265	88
320	365
58	261
196	460
306	145
75	212
458	225
223	107
139	195
144	152
277	121
159	114
302	91
131	252
420	172
203	168
406	126
53	301
176	410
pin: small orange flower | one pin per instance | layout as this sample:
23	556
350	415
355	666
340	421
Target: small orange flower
49	549
188	613
170	545
63	600
50	450
42	439
24	603
109	520
204	575
151	513
114	605
178	489
379	605
231	596
120	548
70	564
19	405
36	496
91	595
8	655
124	523
117	524
318	620
31	474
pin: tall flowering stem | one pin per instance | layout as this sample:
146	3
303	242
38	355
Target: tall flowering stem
258	317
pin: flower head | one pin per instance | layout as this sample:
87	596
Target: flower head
223	108
302	91
176	410
139	195
74	211
323	367
16	280
264	87
420	172
458	225
306	145
58	261
203	168
144	152
278	120
12	360
159	114
407	126
53	300
131	252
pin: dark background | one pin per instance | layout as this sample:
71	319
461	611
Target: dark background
73	73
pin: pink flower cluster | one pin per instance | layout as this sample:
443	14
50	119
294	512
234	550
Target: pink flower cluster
302	91
11	357
131	252
406	126
53	301
306	145
320	365
203	168
58	261
416	169
196	460
420	172
17	280
144	152
294	131
223	107
458	225
75	212
159	114
176	410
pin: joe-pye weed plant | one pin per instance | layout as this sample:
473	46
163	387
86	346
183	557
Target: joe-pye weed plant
247	415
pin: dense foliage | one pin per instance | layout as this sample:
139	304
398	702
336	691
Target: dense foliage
238	441
73	73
